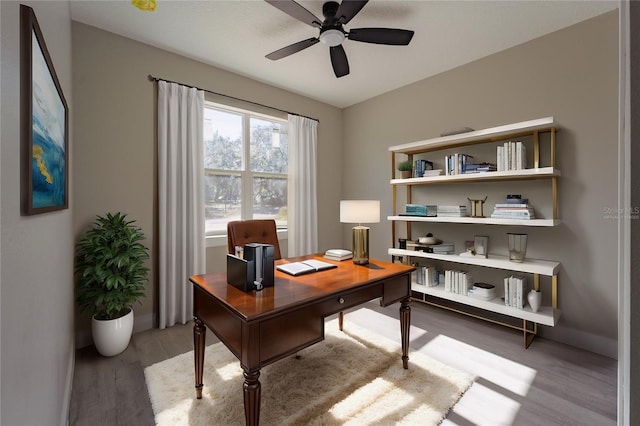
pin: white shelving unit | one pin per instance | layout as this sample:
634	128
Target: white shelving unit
546	315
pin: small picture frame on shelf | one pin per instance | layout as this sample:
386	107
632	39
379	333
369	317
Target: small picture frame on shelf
481	245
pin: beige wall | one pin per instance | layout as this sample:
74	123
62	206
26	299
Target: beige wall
572	75
115	133
36	257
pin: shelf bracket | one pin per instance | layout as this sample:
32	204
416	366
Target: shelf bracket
553	147
536	149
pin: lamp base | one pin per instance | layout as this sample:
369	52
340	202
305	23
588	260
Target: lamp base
360	245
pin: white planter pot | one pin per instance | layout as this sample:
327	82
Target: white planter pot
112	337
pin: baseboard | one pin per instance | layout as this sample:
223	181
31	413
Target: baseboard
68	386
142	323
583	340
83	339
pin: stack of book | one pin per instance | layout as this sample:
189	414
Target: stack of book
430	173
483	291
512	155
452	211
420	210
420	167
338	254
515	291
444	248
457	282
486	167
520	211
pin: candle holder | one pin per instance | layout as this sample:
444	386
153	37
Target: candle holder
476	207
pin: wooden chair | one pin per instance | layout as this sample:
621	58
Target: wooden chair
241	232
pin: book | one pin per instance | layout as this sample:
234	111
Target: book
515	289
434	172
339	259
513	205
305	267
452	211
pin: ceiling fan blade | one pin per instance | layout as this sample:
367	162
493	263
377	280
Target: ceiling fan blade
339	61
292	48
348	9
381	36
297	11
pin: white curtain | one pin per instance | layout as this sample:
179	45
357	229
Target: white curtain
303	205
180	198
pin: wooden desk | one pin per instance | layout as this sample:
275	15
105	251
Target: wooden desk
264	326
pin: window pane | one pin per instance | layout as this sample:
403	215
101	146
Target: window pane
268	145
222	195
222	140
270	199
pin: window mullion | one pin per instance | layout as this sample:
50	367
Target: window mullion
247	179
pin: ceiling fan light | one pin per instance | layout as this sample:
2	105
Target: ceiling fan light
332	37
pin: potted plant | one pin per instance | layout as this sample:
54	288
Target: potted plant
110	277
405	168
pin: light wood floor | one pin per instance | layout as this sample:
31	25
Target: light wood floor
547	384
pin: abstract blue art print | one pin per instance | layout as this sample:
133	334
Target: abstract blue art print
44	125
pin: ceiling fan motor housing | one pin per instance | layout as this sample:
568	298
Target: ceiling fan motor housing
331	32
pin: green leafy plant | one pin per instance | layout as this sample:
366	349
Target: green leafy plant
405	166
110	267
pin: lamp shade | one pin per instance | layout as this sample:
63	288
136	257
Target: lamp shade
360	211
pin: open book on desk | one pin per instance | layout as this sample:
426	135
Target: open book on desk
305	267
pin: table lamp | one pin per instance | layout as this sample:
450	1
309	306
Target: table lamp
360	211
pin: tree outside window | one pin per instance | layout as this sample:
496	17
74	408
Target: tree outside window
243	180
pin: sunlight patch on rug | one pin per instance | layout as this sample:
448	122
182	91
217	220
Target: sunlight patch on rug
353	377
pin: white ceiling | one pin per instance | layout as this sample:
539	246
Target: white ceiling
236	35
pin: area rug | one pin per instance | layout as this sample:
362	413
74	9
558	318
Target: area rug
353	377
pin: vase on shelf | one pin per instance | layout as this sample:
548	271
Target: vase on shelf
534	298
517	247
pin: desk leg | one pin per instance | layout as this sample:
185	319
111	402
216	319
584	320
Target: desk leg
199	334
251	389
405	322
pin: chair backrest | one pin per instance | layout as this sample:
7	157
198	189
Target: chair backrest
241	232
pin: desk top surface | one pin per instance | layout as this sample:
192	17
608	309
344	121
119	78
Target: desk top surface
289	291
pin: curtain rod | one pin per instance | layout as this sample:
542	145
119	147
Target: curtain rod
152	78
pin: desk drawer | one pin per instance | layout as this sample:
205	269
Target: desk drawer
349	300
289	333
396	289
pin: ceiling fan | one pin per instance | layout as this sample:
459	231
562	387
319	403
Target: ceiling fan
332	33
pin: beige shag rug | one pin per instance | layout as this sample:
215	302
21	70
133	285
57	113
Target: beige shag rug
353	377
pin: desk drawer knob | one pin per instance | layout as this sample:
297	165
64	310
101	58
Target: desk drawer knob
341	300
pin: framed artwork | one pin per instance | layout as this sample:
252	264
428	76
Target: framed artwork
44	124
481	245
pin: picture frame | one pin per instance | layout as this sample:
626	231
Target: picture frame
481	245
44	116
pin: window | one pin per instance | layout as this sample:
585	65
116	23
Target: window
243	180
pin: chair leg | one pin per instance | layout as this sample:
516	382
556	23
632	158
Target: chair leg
340	319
